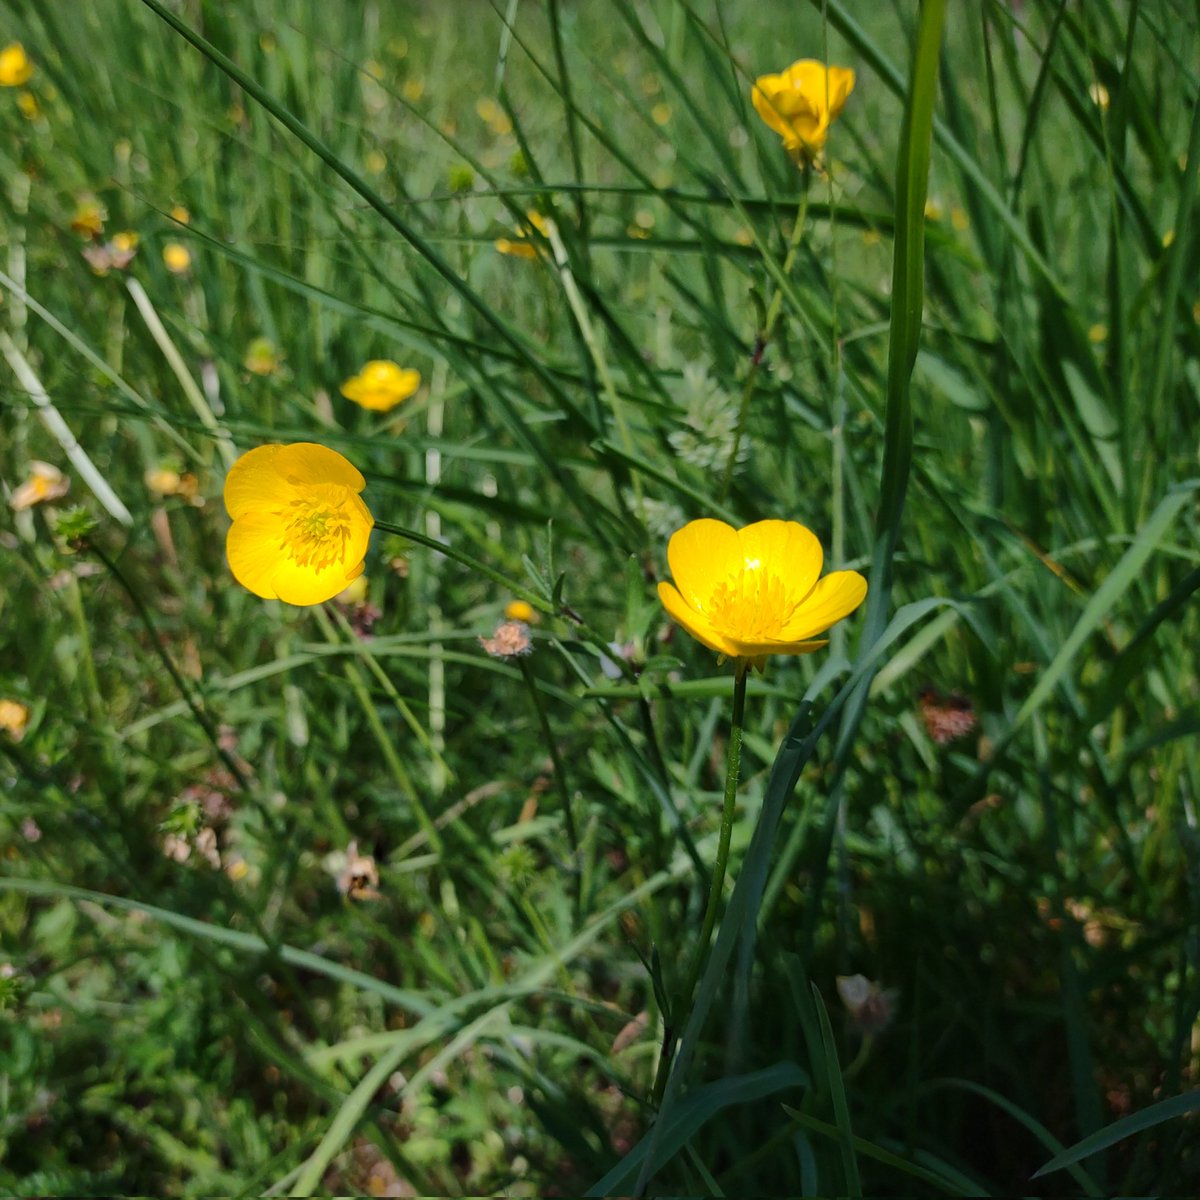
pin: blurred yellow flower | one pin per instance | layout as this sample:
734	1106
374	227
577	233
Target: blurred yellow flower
115	254
181	214
15	67
177	258
14	718
520	610
523	247
45	482
381	385
801	103
89	217
262	357
755	591
164	481
355	592
27	103
300	529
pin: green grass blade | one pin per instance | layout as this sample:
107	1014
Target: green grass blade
690	1116
832	1074
1110	1135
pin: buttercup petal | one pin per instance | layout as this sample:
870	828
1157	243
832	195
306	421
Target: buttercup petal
792	550
834	597
691	620
701	555
253	482
299	585
769	97
303	464
841	84
252	548
763	649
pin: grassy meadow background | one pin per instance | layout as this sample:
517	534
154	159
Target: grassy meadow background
202	991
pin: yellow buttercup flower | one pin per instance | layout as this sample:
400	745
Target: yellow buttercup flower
523	246
89	217
46	482
755	591
520	610
262	357
300	529
801	103
14	718
15	67
177	258
381	385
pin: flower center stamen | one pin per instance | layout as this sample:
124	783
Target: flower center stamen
315	532
751	605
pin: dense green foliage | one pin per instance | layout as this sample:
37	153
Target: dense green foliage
200	993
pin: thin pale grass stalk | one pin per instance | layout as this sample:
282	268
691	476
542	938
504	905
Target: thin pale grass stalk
191	389
22	296
439	773
563	262
61	432
424	737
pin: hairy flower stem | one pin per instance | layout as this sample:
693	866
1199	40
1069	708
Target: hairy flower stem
681	1005
193	702
560	775
764	338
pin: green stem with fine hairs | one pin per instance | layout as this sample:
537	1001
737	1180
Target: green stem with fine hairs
681	1006
763	340
560	775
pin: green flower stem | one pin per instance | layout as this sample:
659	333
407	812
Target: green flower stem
681	1006
560	775
764	338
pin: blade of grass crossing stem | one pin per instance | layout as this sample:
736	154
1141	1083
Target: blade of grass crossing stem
692	1114
907	300
959	1185
837	1094
1156	1114
1086	1183
742	912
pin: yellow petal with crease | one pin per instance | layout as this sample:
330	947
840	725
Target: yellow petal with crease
693	621
701	555
834	597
